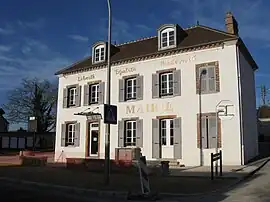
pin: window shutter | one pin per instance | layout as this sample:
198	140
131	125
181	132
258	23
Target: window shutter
101	93
63	135
86	95
139	89
204	133
155	85
139	133
121	130
155	139
77	135
177	82
121	90
211	79
78	95
212	129
177	138
65	98
203	85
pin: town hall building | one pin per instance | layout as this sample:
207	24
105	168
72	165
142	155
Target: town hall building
180	96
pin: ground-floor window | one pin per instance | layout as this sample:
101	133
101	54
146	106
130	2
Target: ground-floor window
130	133
209	131
166	131
70	134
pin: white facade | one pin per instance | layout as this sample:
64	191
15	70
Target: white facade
238	143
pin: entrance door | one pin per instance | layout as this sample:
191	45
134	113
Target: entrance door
93	139
166	137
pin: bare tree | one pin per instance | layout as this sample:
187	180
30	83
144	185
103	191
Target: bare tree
33	98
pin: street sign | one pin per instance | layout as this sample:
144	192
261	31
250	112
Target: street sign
110	114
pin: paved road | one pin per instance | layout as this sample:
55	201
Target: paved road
254	190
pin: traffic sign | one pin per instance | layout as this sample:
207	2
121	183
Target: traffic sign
110	114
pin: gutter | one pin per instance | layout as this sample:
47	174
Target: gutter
240	104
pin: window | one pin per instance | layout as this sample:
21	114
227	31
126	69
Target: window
130	86
130	133
168	38
166	131
94	93
70	134
99	53
207	78
166	87
209	130
72	96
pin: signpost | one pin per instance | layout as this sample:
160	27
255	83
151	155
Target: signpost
215	158
110	114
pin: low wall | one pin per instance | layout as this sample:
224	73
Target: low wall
98	165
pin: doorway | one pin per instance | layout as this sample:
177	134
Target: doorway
93	139
167	138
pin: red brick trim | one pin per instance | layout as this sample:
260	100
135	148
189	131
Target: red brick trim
199	66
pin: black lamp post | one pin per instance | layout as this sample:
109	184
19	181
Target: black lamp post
202	72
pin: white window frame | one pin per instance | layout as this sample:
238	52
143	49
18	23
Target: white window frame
70	134
168	88
72	96
99	53
132	94
94	89
130	141
166	34
167	132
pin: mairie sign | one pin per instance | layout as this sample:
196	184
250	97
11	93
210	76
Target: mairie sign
110	114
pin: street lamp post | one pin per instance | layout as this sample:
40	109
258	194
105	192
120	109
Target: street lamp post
202	72
108	98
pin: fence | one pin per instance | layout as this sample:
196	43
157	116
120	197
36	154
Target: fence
25	140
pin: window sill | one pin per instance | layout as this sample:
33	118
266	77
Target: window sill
167	47
131	100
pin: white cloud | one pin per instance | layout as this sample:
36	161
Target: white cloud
4	48
5	31
36	24
37	60
79	38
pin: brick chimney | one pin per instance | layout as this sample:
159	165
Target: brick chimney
231	24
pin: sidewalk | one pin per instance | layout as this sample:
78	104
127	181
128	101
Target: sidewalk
190	181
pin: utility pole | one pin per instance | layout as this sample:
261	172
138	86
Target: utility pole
108	98
263	94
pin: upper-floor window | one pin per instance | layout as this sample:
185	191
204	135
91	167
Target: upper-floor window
131	88
99	53
71	96
168	37
207	77
94	93
166	83
166	87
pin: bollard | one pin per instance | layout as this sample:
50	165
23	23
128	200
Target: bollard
165	168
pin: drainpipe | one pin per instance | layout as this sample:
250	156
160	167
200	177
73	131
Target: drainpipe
240	104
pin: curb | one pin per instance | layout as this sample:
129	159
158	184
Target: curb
119	194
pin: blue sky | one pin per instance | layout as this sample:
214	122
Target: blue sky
37	38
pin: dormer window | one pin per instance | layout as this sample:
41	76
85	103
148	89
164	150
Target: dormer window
99	53
167	38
